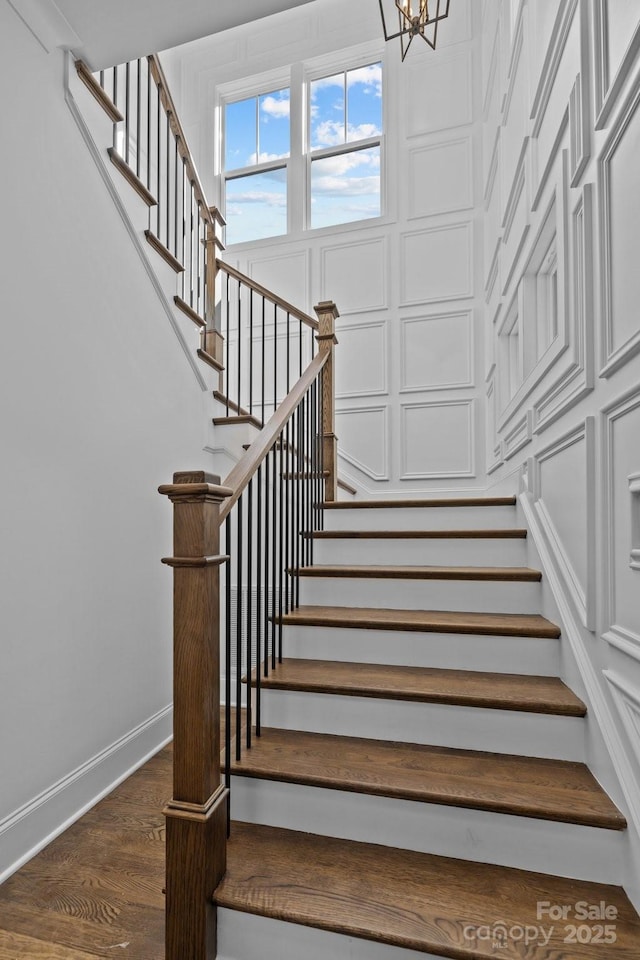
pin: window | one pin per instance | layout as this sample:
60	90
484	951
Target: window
257	145
279	176
345	127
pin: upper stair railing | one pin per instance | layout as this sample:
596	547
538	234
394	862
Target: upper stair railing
277	370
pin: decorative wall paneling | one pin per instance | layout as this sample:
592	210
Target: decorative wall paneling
616	46
576	379
627	703
287	273
517	437
565	499
437	264
363	433
437	439
493	445
619	229
436	352
354	274
451	72
621	463
362	360
449	165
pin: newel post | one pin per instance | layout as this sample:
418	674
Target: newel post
327	315
197	813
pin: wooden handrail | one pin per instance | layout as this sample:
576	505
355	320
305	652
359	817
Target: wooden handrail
183	146
239	477
268	295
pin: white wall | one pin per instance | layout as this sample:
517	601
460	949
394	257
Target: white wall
99	405
408	285
561	137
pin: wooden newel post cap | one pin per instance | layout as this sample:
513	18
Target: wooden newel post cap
327	307
195	485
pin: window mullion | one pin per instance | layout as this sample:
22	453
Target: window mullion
297	179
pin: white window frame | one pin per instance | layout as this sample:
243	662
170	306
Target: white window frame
297	78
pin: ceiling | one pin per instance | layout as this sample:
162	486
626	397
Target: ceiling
119	30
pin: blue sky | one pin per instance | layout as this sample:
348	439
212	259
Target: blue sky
343	109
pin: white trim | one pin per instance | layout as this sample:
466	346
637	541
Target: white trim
34	825
597	703
607	89
384	410
440	474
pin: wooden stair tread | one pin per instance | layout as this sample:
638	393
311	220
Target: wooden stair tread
421	502
513	534
397	572
427	621
414	900
523	786
499	691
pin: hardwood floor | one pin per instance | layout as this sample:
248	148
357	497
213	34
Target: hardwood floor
96	891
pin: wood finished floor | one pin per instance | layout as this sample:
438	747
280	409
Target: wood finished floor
96	891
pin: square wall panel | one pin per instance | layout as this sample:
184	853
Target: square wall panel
363	440
437	264
437	440
361	359
288	275
438	92
441	179
436	352
354	275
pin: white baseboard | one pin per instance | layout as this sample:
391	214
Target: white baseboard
30	828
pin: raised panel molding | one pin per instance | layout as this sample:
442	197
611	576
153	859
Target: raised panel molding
583	594
616	351
579	139
437	440
363	439
354	275
576	380
445	166
437	264
362	352
627	701
436	352
451	73
288	273
516	218
518	436
552	61
624	636
493	445
608	87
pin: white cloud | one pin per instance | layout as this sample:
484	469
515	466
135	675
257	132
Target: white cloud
370	76
264	158
329	133
257	196
346	186
275	107
346	163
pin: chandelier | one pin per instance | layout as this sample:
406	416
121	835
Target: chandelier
419	18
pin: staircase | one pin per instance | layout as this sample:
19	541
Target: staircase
396	805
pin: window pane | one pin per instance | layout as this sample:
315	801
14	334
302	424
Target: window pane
256	206
327	111
364	102
240	134
273	131
345	187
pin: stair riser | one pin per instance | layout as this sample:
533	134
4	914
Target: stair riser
570	850
459	553
421	518
245	936
536	656
480	596
447	725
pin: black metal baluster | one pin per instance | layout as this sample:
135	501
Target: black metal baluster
239	581
263	349
148	183
274	553
239	384
267	556
299	497
227	677
168	194
250	351
127	108
198	282
227	369
288	334
258	680
175	199
138	116
158	160
248	638
275	357
286	490
191	243
281	551
185	179
102	79
300	328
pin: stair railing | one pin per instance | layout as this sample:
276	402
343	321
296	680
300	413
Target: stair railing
261	515
150	149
